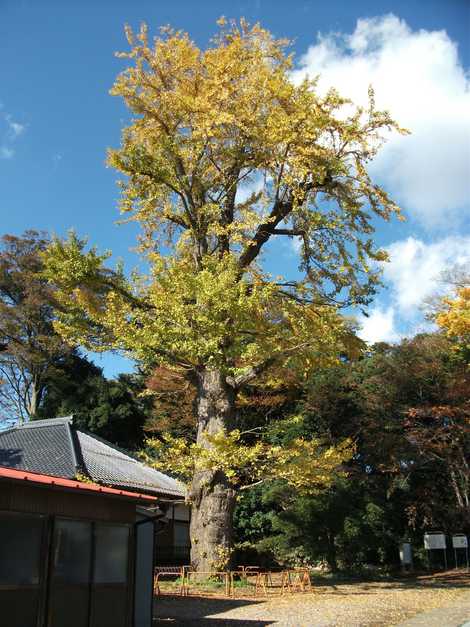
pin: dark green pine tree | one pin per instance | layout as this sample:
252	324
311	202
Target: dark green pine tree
110	408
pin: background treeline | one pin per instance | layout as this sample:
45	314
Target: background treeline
406	407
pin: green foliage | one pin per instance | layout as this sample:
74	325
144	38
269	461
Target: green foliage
30	348
342	528
205	124
252	517
406	407
111	409
307	465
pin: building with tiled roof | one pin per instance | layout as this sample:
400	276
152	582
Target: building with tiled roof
56	447
72	552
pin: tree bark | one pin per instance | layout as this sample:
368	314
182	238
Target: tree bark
331	553
32	400
211	495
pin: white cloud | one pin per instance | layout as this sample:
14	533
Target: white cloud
6	153
380	326
418	77
412	275
296	245
16	128
10	130
415	267
248	187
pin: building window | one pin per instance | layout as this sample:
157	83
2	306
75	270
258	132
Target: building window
111	549
20	549
21	545
72	552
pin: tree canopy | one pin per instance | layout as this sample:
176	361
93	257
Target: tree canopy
208	124
454	314
224	156
111	408
406	407
31	348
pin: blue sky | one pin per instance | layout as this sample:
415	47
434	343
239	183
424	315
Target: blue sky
57	119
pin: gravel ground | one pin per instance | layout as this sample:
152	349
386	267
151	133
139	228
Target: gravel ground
455	615
371	604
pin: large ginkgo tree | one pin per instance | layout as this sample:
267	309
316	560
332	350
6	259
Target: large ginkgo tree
224	157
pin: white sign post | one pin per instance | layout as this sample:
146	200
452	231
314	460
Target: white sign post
433	541
436	541
406	556
460	541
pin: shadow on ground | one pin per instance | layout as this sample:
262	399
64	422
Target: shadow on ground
207	611
181	611
440	580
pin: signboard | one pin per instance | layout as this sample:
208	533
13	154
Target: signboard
434	541
459	541
405	553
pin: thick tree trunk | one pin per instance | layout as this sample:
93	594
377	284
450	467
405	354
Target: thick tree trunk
212	497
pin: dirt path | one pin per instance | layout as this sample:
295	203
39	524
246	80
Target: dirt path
455	615
377	604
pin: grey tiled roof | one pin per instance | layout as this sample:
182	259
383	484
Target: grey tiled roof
57	448
43	446
107	464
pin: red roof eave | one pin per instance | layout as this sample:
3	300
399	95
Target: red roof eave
34	477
